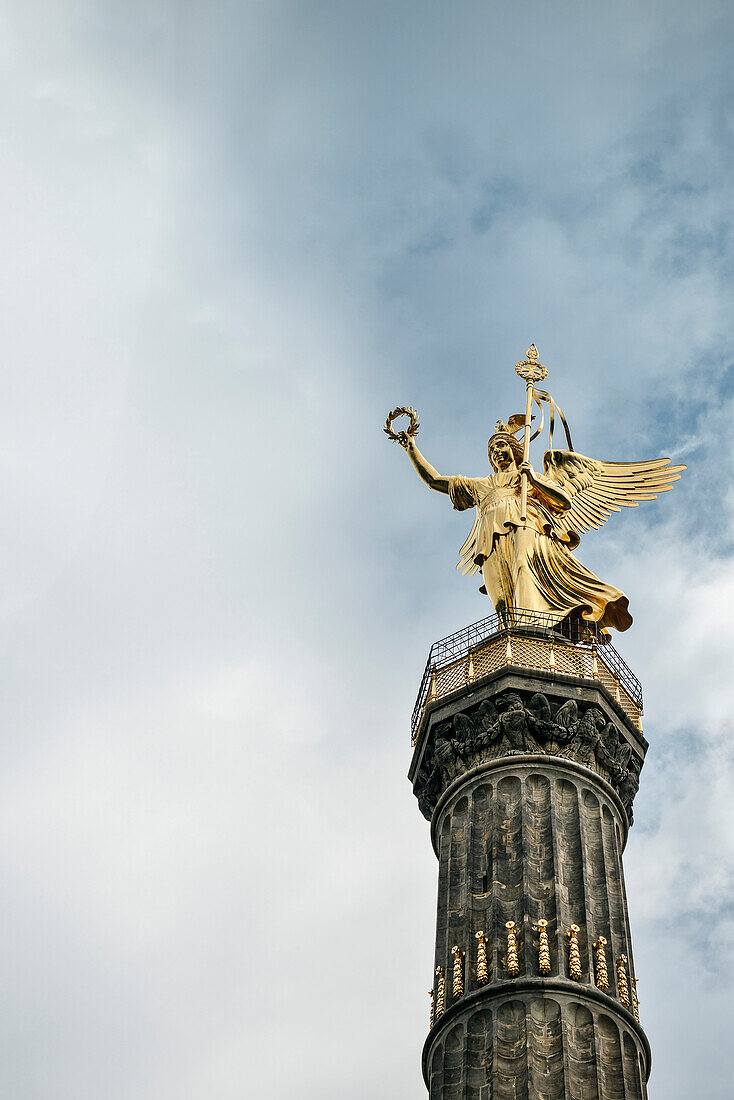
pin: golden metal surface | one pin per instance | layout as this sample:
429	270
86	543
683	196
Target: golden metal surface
622	987
470	673
440	992
433	690
527	523
432	1017
410	432
457	985
512	961
531	370
635	999
574	958
544	960
600	957
526	651
482	971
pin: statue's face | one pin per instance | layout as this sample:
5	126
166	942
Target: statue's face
502	455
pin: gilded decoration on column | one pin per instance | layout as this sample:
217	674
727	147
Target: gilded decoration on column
528	523
513	963
602	974
457	987
440	992
544	960
635	999
574	958
622	987
482	971
432	1017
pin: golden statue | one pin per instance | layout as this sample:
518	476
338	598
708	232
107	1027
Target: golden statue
526	523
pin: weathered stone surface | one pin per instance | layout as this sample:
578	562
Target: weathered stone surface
530	1043
528	785
511	715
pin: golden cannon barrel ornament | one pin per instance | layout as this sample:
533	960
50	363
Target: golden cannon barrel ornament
482	971
600	959
457	985
622	987
440	992
544	959
512	960
574	958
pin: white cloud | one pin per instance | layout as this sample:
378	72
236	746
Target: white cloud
235	235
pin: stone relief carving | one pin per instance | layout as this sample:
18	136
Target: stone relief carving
508	725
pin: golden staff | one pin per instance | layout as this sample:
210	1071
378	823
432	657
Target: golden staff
531	370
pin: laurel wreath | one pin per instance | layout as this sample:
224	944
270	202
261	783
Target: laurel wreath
411	431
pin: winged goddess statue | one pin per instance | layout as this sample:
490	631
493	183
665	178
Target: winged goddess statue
527	524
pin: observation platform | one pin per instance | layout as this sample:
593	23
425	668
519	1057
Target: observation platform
526	640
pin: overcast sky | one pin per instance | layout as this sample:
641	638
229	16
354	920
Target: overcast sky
234	236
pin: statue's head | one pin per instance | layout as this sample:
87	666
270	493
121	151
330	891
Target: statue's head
503	449
511	701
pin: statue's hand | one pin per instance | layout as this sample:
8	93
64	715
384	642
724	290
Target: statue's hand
526	468
404	440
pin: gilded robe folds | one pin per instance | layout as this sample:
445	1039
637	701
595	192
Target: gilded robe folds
532	566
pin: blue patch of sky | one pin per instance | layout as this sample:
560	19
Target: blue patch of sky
499	198
432	241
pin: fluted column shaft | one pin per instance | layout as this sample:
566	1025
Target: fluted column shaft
523	837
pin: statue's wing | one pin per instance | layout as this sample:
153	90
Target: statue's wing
567	714
486	713
463	727
596	488
539	707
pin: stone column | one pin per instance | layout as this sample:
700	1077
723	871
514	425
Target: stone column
527	779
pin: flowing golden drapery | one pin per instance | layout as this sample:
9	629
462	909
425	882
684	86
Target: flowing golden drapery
530	566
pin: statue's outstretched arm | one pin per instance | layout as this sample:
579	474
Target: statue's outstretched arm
431	476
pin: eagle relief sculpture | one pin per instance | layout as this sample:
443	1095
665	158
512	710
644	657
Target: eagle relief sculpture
527	524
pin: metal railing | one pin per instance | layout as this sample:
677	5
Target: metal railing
526	639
